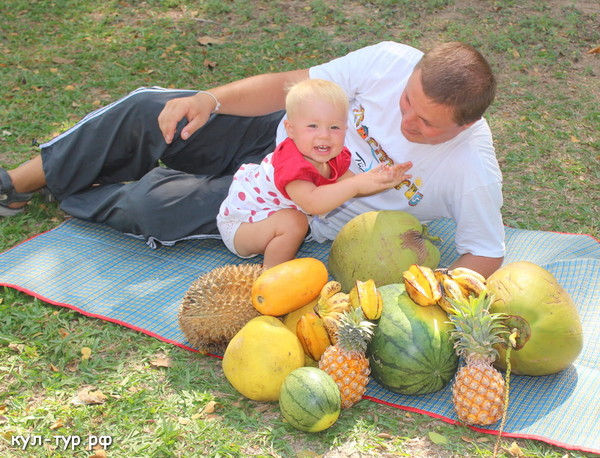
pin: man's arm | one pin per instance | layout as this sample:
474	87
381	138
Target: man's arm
253	96
484	265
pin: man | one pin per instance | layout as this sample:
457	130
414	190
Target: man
403	107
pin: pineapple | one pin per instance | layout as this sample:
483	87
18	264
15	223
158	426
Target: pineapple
345	361
478	389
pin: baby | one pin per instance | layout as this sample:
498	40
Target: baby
269	205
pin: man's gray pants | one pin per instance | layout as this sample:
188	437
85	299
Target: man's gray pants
114	167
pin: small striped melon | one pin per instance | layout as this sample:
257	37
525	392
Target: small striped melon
309	399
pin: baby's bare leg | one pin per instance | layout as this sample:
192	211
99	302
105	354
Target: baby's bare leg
277	237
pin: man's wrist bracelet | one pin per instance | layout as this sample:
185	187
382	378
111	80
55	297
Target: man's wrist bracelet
218	104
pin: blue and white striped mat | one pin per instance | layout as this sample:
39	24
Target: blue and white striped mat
104	274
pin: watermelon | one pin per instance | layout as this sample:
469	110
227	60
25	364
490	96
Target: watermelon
310	400
411	351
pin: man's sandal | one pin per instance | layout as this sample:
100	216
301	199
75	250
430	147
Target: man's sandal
8	195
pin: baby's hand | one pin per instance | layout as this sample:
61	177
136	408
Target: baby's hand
381	178
392	175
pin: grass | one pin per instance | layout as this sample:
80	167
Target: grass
61	60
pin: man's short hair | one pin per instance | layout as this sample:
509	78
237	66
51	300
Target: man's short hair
457	75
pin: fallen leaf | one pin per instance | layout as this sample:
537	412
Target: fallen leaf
88	396
515	450
575	139
3	419
57	424
62	60
209	63
162	361
595	50
385	436
208	41
438	438
263	408
99	453
16	347
383	447
209	408
69	87
63	333
184	421
86	352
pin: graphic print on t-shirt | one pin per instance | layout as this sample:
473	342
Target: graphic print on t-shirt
378	155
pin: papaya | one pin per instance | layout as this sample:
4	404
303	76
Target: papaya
288	286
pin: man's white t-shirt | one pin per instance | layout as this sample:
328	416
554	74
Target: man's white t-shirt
458	179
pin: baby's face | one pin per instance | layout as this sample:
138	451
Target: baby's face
318	129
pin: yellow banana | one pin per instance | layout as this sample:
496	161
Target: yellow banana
332	302
332	324
451	291
312	335
440	274
457	271
330	288
470	282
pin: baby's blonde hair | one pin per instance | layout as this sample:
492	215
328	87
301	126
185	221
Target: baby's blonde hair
311	89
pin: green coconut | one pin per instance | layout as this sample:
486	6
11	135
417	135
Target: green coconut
549	333
380	245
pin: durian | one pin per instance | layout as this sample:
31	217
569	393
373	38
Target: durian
217	305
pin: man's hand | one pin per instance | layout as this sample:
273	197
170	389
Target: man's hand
196	109
484	265
254	96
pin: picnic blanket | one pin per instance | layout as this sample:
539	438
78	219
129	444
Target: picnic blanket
104	274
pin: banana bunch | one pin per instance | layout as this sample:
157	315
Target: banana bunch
434	287
330	306
317	330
